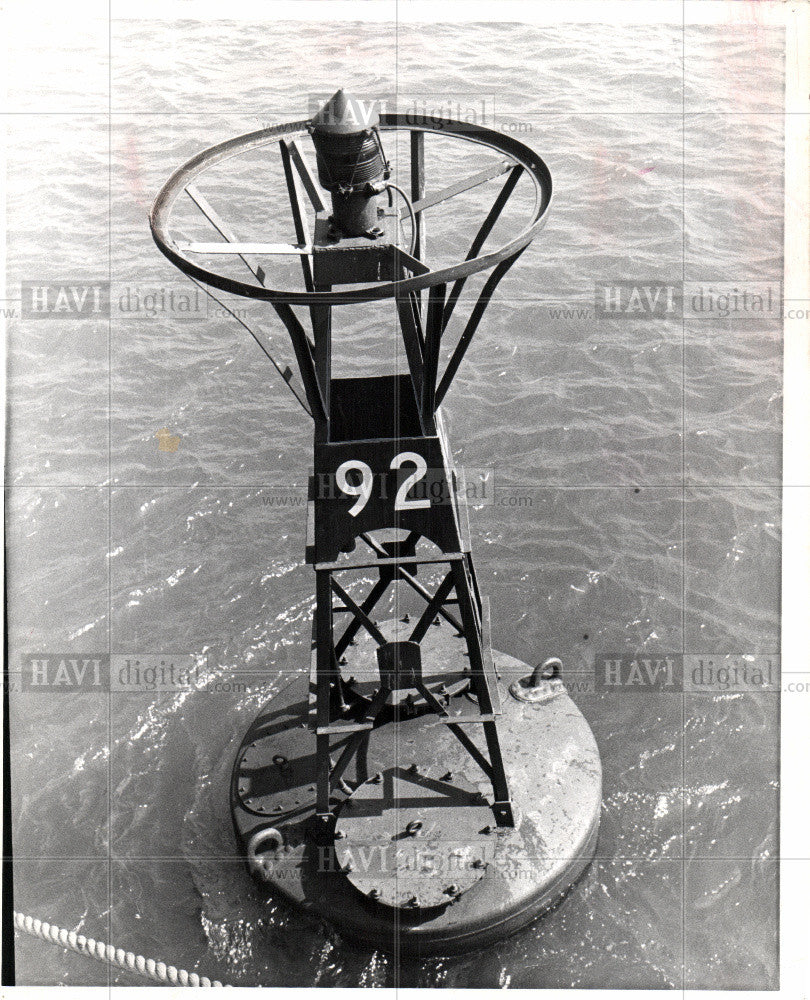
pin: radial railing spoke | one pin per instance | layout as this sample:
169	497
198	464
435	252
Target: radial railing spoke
487	174
244	249
224	230
402	259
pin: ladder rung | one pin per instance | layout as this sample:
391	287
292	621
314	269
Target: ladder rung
446	557
466	720
341	728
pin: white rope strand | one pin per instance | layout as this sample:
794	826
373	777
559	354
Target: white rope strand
126	960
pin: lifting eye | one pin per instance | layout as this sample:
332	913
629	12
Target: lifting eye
548	670
262	848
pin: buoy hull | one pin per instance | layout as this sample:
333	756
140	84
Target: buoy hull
554	772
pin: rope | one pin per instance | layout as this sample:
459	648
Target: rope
126	960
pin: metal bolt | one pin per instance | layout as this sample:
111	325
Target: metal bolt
413	901
487	829
377	778
277	809
340	834
437	620
478	863
374	893
348	868
413	769
447	776
343	661
405	619
413	828
452	890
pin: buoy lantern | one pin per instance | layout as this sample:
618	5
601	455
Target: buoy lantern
351	164
415	788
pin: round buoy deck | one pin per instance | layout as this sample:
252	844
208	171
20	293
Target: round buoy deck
415	862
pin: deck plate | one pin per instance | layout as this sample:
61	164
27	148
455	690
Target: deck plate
408	840
554	773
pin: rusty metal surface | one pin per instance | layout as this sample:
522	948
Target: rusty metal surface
555	779
356	260
405	839
275	776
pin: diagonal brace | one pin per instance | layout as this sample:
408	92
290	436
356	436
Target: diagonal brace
358	612
368	605
481	236
431	610
404	574
472	325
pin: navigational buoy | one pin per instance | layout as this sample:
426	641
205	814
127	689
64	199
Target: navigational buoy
417	789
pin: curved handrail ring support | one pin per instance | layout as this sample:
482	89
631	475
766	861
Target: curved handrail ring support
521	156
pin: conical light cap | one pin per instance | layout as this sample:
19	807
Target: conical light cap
344	114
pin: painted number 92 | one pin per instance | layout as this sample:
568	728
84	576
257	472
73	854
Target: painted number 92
362	490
